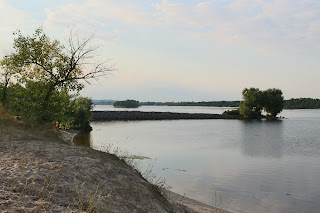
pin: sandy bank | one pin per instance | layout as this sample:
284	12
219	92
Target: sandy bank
39	173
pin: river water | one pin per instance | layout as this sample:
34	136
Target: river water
241	166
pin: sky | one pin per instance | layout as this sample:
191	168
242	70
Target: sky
184	50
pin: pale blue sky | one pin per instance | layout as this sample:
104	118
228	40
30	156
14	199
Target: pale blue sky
175	50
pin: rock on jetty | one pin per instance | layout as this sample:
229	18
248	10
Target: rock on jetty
138	115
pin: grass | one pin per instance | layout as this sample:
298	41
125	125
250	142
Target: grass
158	184
88	202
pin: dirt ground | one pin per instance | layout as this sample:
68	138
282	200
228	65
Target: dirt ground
41	173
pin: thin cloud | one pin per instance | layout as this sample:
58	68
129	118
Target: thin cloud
277	22
11	20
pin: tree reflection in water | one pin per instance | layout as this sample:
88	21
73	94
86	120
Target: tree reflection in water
82	139
262	138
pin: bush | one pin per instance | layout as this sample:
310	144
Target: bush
69	111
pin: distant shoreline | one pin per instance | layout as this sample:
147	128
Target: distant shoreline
294	103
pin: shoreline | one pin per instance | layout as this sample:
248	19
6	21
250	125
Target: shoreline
195	205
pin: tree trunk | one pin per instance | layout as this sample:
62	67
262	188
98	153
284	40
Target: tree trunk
45	115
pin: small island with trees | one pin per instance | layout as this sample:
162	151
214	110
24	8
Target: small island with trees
127	104
255	100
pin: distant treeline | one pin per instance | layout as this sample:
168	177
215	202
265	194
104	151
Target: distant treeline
302	103
294	103
202	103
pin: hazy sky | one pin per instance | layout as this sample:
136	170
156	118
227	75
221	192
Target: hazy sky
185	50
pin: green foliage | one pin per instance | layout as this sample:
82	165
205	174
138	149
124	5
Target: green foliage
127	104
274	101
46	60
255	100
69	111
82	113
252	104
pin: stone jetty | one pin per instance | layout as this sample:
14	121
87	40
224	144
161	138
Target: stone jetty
139	116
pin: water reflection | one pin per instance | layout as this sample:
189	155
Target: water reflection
82	139
260	166
262	138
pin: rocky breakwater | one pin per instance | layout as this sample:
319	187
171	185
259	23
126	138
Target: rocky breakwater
138	115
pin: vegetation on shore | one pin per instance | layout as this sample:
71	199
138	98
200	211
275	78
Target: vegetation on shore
40	81
127	104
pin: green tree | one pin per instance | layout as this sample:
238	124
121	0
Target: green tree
56	66
48	77
274	101
252	104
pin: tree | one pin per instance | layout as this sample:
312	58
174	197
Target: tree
252	104
46	60
274	101
47	77
44	64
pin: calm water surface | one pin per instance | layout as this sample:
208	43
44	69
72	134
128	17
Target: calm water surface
241	166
